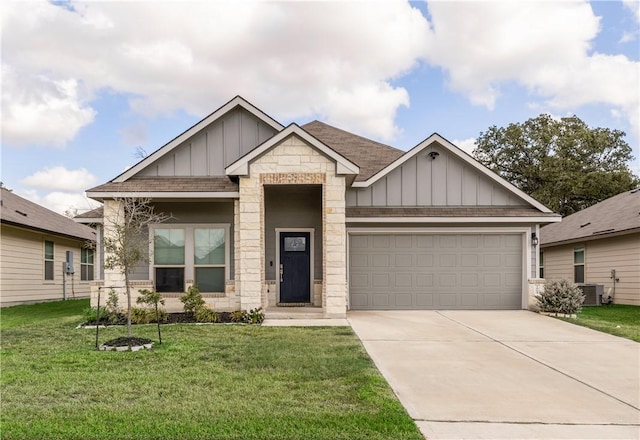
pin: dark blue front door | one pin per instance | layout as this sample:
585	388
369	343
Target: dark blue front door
295	276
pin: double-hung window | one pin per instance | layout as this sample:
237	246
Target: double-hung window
190	252
541	264
48	260
578	265
86	264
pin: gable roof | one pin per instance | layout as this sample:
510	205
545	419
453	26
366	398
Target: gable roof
241	166
89	217
167	187
370	156
436	139
238	101
16	211
614	216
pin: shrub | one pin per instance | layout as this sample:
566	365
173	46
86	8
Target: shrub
112	305
560	296
254	316
192	300
141	315
205	314
91	314
237	316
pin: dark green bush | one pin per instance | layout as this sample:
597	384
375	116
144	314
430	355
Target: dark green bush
192	300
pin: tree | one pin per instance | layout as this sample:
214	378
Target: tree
127	242
564	164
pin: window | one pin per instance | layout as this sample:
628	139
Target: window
541	264
194	252
168	257
86	264
48	260
209	259
578	265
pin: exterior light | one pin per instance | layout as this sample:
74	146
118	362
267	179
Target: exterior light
534	239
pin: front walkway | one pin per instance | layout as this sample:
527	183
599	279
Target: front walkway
505	374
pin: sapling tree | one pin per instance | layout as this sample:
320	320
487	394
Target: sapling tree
126	242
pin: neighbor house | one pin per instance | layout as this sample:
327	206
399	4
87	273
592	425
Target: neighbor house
598	245
264	215
44	256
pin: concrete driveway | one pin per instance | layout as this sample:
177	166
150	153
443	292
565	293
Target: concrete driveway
505	374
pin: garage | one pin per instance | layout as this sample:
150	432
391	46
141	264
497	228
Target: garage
435	271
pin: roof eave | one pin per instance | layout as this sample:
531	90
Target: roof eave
591	237
44	231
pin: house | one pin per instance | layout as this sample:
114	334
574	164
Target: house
264	215
44	256
598	245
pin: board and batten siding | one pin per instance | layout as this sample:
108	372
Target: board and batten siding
22	268
209	151
621	253
443	181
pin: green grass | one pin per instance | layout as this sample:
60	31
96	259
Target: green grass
203	382
615	319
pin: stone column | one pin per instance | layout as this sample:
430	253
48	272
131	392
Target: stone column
249	269
335	248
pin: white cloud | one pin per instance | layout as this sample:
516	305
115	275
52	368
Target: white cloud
295	59
40	110
466	145
634	7
59	201
61	179
483	45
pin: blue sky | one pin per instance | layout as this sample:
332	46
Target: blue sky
85	84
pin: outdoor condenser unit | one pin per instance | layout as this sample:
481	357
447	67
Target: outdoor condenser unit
592	294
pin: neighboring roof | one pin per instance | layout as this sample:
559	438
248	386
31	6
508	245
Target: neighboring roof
89	217
370	156
614	216
200	187
241	166
238	101
16	211
435	138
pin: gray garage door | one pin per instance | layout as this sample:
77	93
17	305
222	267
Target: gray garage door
420	271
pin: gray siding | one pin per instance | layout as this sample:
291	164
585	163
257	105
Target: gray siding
291	206
194	212
212	149
444	181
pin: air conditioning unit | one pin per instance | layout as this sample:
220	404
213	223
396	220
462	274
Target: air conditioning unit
592	294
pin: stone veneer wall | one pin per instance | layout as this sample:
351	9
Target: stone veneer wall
292	162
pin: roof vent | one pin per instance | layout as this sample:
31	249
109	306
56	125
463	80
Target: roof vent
21	213
586	224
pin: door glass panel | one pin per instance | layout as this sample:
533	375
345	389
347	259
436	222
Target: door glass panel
210	279
295	244
209	246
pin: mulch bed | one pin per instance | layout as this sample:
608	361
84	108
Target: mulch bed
172	318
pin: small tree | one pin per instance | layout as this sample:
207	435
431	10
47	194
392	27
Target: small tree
126	244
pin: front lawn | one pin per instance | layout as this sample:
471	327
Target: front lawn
615	319
203	382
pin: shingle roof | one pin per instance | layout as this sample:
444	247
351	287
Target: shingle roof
448	211
89	215
16	211
615	215
170	184
369	155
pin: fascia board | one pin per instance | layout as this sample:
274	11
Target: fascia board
235	102
241	166
520	220
98	195
465	157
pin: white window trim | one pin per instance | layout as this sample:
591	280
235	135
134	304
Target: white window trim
44	261
93	265
189	265
583	264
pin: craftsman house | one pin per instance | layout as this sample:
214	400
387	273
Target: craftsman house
312	216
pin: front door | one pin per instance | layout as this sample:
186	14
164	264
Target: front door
294	270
